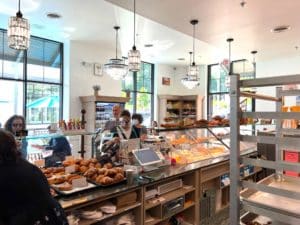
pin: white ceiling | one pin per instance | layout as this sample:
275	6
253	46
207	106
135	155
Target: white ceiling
165	24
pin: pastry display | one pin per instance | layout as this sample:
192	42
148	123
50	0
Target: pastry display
105	176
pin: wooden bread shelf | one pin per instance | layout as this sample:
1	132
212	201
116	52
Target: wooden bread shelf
168	196
118	211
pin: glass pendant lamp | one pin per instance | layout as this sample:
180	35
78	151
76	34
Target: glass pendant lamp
190	81
18	31
116	68
192	78
134	56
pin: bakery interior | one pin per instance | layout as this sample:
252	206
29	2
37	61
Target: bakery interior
220	145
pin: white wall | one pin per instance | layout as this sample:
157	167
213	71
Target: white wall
82	78
278	67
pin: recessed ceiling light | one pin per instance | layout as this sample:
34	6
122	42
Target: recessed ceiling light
148	45
280	29
53	15
181	59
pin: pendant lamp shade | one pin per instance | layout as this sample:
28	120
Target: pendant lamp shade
116	68
18	31
192	78
134	55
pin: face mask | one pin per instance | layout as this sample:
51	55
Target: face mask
135	122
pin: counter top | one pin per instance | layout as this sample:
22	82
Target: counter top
77	200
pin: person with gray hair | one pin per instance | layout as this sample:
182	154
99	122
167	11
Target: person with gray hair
115	121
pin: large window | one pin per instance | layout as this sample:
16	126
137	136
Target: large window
218	91
140	86
31	81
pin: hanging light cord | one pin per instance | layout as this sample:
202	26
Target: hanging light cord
134	24
116	42
194	45
191	58
19	14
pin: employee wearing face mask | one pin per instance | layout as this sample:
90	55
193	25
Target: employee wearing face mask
124	131
137	120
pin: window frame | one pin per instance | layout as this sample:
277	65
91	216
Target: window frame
25	79
209	93
134	92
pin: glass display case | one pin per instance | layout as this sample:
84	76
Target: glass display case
37	144
196	144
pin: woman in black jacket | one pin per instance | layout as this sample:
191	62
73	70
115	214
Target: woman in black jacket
24	190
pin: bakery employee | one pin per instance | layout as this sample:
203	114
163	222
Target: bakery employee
124	131
115	121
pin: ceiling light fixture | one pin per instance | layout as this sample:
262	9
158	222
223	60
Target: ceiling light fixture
229	66
134	55
18	31
254	62
192	80
189	81
116	68
53	15
148	45
280	29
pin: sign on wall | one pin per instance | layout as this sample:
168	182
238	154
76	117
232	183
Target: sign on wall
166	81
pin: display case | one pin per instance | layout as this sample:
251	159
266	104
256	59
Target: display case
37	142
196	144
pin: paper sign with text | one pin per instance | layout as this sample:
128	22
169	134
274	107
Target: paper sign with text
70	169
79	183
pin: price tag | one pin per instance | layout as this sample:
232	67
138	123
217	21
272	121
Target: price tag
70	169
70	158
40	163
79	183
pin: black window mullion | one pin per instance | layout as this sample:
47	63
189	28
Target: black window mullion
25	84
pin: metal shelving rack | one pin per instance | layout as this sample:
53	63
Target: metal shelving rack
257	197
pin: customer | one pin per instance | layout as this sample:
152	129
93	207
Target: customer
24	190
16	125
115	121
60	147
137	120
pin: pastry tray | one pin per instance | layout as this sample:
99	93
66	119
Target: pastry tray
74	190
272	202
109	185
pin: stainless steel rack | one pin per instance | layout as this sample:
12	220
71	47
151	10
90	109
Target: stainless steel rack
277	196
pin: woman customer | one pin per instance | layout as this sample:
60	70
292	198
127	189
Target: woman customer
16	125
24	190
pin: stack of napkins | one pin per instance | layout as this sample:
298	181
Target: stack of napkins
108	208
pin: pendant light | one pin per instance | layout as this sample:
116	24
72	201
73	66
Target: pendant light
188	80
193	68
116	67
134	56
191	80
18	31
254	63
227	81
